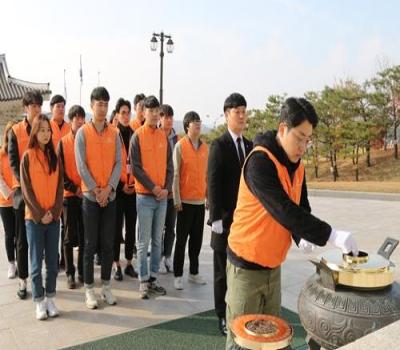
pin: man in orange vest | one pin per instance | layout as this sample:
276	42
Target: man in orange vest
59	128
151	159
189	189
72	206
18	138
167	123
126	196
273	209
138	121
98	159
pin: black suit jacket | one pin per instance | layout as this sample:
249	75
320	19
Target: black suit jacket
223	184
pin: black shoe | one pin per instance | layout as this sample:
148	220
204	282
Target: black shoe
118	274
155	288
71	282
130	271
22	294
222	326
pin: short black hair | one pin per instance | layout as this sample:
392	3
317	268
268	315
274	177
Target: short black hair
296	110
99	94
138	98
166	110
234	100
57	99
112	116
76	111
120	103
151	102
32	97
189	117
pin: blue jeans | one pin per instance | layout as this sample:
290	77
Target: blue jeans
43	241
151	220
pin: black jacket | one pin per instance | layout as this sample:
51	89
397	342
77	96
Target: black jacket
223	177
261	177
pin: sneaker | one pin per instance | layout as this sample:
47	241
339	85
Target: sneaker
51	308
168	264
155	288
197	279
12	271
22	294
178	283
130	271
163	267
107	296
118	274
41	311
144	290
71	282
91	301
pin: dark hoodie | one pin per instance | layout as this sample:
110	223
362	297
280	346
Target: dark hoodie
261	177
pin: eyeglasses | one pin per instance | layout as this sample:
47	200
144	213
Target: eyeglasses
302	141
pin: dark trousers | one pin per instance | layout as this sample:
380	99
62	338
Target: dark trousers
8	218
219	258
190	223
62	234
99	226
126	209
22	242
73	234
169	229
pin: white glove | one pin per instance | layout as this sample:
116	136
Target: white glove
306	246
216	227
344	240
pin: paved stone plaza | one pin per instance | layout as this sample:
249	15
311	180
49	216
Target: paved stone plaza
370	220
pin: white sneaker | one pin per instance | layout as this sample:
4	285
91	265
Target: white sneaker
12	271
168	264
52	308
197	279
41	311
163	267
107	296
91	301
178	283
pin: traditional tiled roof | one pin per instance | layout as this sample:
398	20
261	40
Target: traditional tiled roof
14	89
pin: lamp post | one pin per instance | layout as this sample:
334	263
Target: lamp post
170	49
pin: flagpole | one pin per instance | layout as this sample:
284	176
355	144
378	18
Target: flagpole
65	86
81	77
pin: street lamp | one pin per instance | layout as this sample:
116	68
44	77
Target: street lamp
170	49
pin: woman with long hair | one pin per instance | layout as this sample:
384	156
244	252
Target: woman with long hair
42	189
6	207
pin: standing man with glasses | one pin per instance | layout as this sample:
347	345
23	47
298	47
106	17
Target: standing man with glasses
225	162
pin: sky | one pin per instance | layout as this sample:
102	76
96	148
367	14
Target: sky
257	48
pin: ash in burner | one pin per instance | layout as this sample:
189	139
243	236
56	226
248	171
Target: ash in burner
264	328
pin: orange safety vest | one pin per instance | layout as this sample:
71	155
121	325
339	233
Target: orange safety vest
57	132
135	124
193	171
7	175
100	153
22	136
70	169
153	151
126	173
255	235
44	185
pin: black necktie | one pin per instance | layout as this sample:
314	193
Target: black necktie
240	150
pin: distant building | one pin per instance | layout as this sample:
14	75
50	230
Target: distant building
11	92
